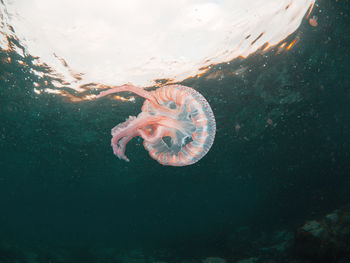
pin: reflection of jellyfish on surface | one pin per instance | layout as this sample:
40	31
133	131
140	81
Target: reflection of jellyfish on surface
176	123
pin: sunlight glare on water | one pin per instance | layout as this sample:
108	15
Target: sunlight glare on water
115	42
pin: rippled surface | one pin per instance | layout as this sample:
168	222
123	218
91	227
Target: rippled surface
88	42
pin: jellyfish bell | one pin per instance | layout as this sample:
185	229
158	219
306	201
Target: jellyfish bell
117	42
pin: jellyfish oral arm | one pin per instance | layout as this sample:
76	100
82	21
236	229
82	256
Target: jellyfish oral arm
120	145
138	91
151	128
156	136
128	87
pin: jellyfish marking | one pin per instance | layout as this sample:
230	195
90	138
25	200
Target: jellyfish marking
177	125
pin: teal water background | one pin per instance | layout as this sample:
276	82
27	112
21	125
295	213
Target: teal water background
60	184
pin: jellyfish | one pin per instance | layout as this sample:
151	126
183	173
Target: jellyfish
313	21
176	123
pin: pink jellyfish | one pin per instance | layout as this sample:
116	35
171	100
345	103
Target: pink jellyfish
176	123
313	21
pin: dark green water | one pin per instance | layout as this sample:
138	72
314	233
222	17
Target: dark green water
61	185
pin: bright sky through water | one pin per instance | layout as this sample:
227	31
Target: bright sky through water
137	41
